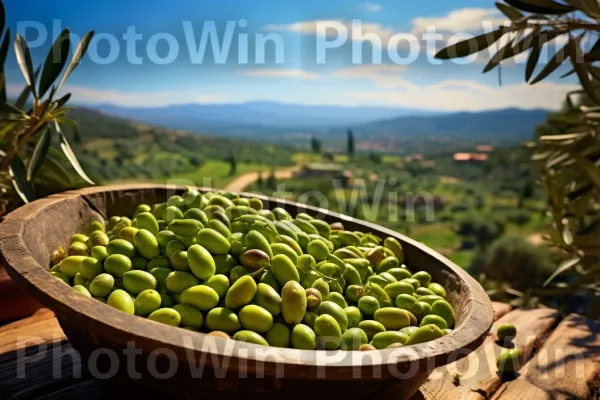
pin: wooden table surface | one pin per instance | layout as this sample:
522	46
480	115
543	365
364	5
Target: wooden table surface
562	361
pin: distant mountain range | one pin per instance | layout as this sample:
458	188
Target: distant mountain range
199	117
271	120
511	124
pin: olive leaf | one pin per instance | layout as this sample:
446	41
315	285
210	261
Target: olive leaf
563	267
594	53
541	6
510	50
511	13
536	49
590	7
55	62
77	57
567	74
4	48
583	75
68	151
63	100
24	60
18	176
470	46
8	111
39	153
555	62
53	165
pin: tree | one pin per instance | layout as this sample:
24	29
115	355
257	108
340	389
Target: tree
272	180
375	157
482	229
350	148
260	182
232	164
315	145
33	120
514	262
566	150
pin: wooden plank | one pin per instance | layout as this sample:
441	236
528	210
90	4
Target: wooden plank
40	371
500	309
565	366
41	327
475	377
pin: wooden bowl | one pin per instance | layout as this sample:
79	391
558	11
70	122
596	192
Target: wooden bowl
192	364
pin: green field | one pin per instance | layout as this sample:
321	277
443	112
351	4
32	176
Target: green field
215	173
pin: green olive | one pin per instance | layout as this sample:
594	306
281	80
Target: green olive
392	318
121	300
424	334
256	318
190	316
102	285
371	328
329	334
241	292
368	305
223	319
509	362
506	332
268	298
166	316
303	338
353	338
250	337
443	309
293	302
137	281
147	302
354	316
279	335
202	297
384	339
434	320
117	265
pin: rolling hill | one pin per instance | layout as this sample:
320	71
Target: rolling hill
256	116
112	148
509	125
272	121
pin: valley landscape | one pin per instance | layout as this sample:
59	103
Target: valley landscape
474	178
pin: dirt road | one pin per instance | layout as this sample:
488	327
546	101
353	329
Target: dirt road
242	182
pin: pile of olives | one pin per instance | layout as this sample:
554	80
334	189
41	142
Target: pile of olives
221	264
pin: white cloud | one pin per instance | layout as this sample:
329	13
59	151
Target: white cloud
382	76
460	21
460	95
92	96
331	29
466	20
391	89
303	27
281	73
371	7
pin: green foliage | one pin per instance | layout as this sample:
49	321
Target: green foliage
350	143
29	165
513	269
483	229
115	149
315	145
567	151
272	180
232	164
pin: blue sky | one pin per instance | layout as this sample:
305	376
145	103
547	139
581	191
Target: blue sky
157	68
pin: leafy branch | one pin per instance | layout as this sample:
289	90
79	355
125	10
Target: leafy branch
29	126
567	150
